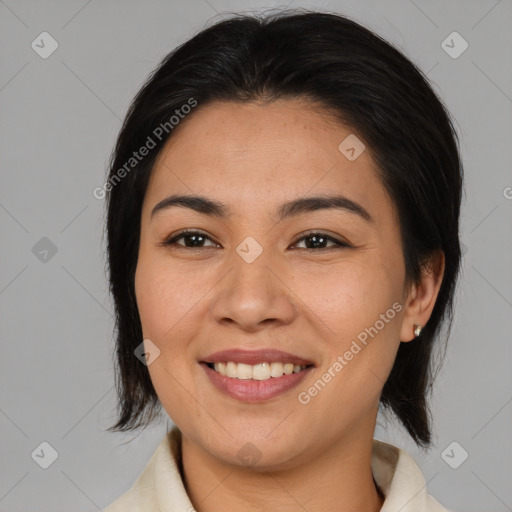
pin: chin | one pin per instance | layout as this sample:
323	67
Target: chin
261	446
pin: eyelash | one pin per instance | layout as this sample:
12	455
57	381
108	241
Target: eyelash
190	232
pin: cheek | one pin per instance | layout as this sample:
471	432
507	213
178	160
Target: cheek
167	300
165	295
357	313
349	298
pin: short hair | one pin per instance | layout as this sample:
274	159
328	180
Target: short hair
368	85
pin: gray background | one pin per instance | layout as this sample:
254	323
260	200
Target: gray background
59	120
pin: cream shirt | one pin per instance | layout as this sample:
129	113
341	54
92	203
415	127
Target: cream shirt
159	488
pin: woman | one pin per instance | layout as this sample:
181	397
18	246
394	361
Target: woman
283	244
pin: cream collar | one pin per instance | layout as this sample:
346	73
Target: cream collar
160	488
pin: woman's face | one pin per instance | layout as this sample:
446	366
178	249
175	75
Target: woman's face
253	281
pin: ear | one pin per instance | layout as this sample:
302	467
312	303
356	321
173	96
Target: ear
422	296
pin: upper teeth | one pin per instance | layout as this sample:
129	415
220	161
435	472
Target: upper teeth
262	371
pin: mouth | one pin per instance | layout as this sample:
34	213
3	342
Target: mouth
260	371
255	376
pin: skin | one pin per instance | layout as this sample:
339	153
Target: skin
312	302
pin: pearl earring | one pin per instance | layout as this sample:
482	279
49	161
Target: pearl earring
417	330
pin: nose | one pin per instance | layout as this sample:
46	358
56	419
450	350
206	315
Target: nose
254	296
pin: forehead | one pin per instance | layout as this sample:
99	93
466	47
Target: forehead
255	153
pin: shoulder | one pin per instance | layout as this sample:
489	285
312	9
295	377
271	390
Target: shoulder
401	481
160	484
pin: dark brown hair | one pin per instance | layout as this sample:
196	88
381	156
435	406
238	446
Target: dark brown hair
367	84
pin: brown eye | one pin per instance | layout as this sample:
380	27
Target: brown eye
193	239
318	240
196	240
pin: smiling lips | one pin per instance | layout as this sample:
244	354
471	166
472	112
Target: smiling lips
261	371
257	375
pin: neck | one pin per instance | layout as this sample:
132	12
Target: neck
338	479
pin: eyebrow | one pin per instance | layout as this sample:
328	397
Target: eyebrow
292	208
